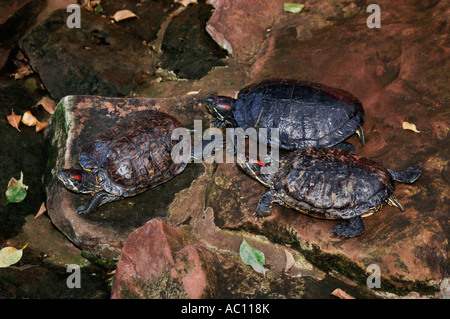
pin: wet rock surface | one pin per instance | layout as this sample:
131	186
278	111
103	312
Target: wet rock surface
188	50
73	60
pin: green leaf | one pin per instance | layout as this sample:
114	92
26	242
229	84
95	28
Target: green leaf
293	7
16	191
10	255
98	8
253	257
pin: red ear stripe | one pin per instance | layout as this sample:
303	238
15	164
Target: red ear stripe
224	106
258	162
77	177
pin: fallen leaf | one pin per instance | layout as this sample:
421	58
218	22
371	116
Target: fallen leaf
410	126
22	72
16	190
290	261
48	104
253	257
185	3
29	119
123	14
40	126
341	294
10	255
42	210
293	7
14	120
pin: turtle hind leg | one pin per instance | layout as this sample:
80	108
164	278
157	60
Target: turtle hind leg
99	198
349	228
409	175
264	208
345	146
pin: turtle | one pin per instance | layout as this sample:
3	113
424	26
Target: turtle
306	113
328	183
128	159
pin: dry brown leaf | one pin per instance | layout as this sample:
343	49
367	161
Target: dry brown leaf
48	104
341	294
29	119
40	126
123	14
14	119
22	72
410	126
185	3
290	261
42	210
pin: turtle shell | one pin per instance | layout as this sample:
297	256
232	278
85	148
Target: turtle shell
306	113
332	183
135	154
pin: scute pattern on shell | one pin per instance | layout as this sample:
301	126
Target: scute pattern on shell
134	155
332	183
306	113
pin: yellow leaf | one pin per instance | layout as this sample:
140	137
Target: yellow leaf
29	119
10	255
14	120
409	126
42	210
123	14
341	294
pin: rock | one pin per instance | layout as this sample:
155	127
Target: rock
188	49
158	261
38	282
240	26
151	14
96	59
16	17
400	73
77	119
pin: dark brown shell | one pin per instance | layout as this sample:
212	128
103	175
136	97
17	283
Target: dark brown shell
134	155
332	183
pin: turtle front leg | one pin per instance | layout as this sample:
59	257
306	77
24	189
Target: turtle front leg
99	198
264	208
349	228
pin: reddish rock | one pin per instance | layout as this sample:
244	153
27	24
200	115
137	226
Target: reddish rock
159	261
400	73
239	26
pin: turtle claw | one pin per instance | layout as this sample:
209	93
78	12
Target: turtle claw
81	210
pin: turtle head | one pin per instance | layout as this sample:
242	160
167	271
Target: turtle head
79	181
253	168
222	109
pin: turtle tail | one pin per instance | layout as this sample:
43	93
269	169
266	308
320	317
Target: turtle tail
409	175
